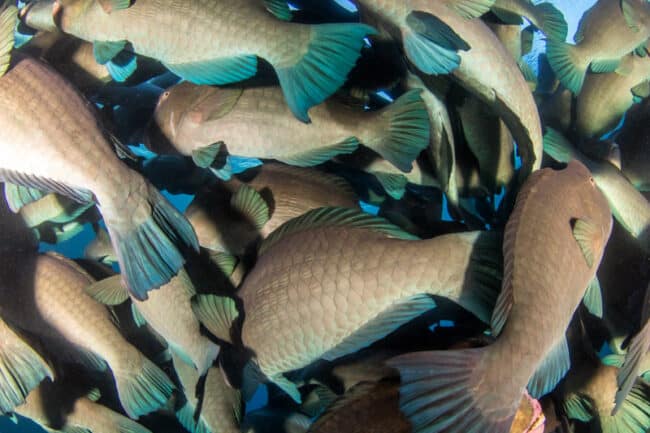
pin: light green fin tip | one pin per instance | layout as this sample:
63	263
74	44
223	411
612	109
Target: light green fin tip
578	408
138	318
109	291
114	5
18	196
641	90
94	394
218	71
279	8
471	8
557	146
551	371
287	386
224	261
586	234
553	23
320	155
216	313
383	324
393	184
593	299
8	19
105	51
252	205
528	73
564	60
605	66
143	390
507	17
334	217
634	413
204	156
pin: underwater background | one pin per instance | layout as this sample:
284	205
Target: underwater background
74	248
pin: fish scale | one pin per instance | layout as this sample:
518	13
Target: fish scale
355	275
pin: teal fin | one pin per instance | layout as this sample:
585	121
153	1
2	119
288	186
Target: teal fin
297	423
251	205
593	299
471	8
641	90
252	378
217	72
431	44
224	261
528	73
502	309
578	408
320	155
18	196
109	291
67	231
438	390
629	371
216	313
149	254
642	50
138	318
8	20
204	157
104	51
54	208
142	389
634	413
94	394
553	23
630	15
114	5
287	386
318	400
186	417
279	8
43	184
566	65
122	66
393	184
485	270
407	134
334	217
586	234
330	56
551	370
605	66
21	370
387	321
613	360
507	17
557	146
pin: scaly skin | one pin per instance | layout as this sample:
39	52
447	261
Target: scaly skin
543	265
260	125
185	31
292	190
169	313
487	69
604	98
312	289
606	34
44	295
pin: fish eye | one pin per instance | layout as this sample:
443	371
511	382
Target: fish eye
591	179
165	95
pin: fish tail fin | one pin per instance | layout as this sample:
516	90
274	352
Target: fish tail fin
21	370
568	63
634	412
142	386
441	392
148	245
332	52
631	367
407	131
551	22
558	146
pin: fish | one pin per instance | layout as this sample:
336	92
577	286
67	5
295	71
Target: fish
171	301
557	109
518	42
216	409
630	208
194	119
349	279
605	98
21	369
230	217
439	40
480	389
607	32
44	295
51	140
275	420
633	144
14	233
222	42
588	396
544	16
100	248
57	406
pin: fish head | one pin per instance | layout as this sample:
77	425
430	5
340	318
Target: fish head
40	15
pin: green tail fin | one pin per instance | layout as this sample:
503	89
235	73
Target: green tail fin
185	416
149	254
407	133
142	390
552	22
440	391
569	68
394	184
634	413
431	44
332	53
557	146
21	370
216	313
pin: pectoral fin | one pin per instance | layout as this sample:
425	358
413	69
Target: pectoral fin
587	236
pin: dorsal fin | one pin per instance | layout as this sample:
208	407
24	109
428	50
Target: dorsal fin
8	19
334	217
251	204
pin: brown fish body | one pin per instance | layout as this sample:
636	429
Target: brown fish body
546	275
291	191
337	279
634	144
606	97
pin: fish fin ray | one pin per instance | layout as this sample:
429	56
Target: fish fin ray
568	67
593	298
630	15
122	66
18	196
279	8
381	325
481	295
8	19
205	156
629	371
320	155
586	234
224	261
553	23
605	66
137	316
394	184
43	184
551	370
252	205
220	71
641	90
186	417
471	8
114	5
287	386
507	17
109	291
105	51
557	146
216	313
578	407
